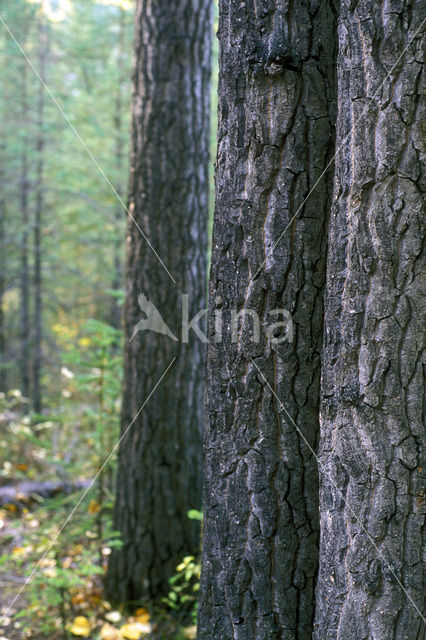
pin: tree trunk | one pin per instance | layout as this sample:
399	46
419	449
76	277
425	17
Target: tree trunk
119	166
370	581
276	111
3	268
159	468
24	319
38	222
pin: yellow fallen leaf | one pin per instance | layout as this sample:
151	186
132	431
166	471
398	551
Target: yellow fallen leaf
108	632
142	615
76	549
17	550
80	627
131	631
190	632
78	598
47	562
94	506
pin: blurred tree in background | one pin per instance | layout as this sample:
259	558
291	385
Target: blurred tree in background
160	467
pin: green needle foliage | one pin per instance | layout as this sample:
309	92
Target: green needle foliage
88	70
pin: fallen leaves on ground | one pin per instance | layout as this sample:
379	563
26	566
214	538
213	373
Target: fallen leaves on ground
132	631
108	632
87	614
142	615
113	616
94	506
81	627
135	628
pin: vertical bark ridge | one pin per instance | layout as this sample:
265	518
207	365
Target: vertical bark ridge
276	115
372	381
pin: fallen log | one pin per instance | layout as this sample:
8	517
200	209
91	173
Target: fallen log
25	493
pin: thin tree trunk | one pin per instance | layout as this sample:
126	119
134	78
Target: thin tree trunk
370	581
276	113
159	468
25	364
38	219
119	165
3	267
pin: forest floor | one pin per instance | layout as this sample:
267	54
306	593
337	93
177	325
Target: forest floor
55	606
10	582
56	533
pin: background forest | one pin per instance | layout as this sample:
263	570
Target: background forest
273	488
85	50
64	156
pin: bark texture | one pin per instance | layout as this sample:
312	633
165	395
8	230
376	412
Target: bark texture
276	113
159	469
372	386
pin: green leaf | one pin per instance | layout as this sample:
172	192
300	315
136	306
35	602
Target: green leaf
193	514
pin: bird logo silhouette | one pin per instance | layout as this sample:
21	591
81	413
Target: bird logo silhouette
153	320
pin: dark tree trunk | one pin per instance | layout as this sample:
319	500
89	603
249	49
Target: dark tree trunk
276	112
159	468
38	221
370	581
24	319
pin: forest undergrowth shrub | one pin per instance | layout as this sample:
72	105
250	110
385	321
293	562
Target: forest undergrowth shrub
70	442
64	565
185	583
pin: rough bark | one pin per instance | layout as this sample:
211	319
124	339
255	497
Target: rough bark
276	110
159	468
370	580
38	220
